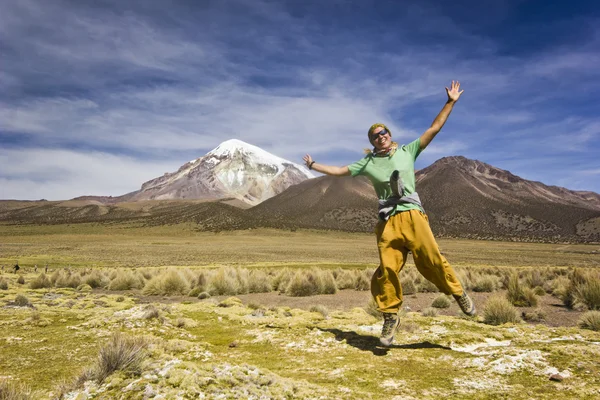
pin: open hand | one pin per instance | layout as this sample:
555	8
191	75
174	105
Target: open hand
307	159
454	92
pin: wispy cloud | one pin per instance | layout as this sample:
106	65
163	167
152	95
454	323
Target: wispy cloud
158	86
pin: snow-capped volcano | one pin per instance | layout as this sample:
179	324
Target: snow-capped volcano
234	169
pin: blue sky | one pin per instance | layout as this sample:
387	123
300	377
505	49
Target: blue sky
97	97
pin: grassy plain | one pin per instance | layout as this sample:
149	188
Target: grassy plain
230	350
121	245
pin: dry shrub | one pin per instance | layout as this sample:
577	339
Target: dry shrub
539	291
3	284
485	283
96	279
169	283
371	309
442	301
282	280
151	312
537	315
426	286
121	353
224	282
429	312
519	295
194	292
534	278
309	283
243	280
21	300
304	283
464	276
583	291
125	280
558	286
21	280
328	285
204	295
363	279
201	281
14	391
259	282
498	311
408	286
590	320
320	309
345	279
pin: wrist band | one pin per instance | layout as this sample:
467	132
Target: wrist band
311	164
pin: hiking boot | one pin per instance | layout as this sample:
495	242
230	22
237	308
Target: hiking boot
390	325
465	303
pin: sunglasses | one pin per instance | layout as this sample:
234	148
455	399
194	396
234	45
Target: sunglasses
382	133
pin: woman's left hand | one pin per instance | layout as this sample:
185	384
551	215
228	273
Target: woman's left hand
307	159
454	92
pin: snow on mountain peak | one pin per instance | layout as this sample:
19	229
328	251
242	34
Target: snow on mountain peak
258	155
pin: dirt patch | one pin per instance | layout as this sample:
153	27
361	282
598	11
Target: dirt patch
344	300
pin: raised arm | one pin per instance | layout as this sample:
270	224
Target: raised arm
453	94
325	169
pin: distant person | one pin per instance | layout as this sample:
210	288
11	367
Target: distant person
46	268
16	267
35	268
403	225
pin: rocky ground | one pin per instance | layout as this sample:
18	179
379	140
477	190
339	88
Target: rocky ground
231	348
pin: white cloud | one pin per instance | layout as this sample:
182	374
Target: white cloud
31	174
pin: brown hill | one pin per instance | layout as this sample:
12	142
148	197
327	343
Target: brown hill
469	198
463	198
327	202
208	215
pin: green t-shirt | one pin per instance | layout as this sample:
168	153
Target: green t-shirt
379	169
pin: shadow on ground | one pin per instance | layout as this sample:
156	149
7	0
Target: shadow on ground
371	343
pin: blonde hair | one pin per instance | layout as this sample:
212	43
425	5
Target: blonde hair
371	130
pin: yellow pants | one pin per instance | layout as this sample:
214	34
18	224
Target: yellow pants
404	232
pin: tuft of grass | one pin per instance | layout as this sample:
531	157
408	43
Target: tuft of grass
309	283
371	309
3	284
21	280
121	353
485	283
125	280
22	300
426	286
408	286
170	283
40	282
590	320
520	295
320	309
536	315
328	285
583	291
225	282
363	279
539	291
96	279
151	312
429	312
204	295
345	279
14	391
498	311
442	301
259	282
